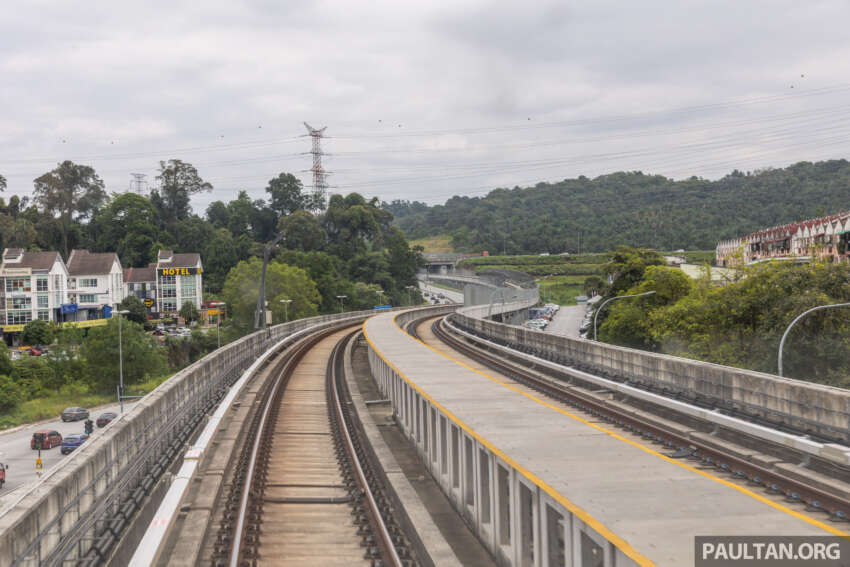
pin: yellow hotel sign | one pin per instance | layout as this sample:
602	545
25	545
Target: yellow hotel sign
179	271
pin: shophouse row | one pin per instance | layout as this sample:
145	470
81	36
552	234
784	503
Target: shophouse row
89	286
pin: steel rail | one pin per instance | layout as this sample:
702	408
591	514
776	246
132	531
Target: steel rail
282	378
795	490
345	425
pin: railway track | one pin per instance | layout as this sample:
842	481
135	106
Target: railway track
678	446
304	489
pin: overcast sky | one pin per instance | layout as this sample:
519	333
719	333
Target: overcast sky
421	100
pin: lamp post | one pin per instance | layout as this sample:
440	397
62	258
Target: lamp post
120	362
607	301
794	322
286	303
218	304
341	299
410	289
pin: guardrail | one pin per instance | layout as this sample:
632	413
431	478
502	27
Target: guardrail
84	503
819	410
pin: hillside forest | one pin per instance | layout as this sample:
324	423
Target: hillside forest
633	208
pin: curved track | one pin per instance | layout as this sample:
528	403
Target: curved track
793	489
304	491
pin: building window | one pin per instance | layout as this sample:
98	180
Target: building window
88	298
169	292
169	306
44	315
19	303
188	291
88	282
43	300
19	317
41	283
167	279
18	284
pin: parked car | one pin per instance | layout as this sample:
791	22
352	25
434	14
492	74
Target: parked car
75	414
3	474
104	418
51	439
73	441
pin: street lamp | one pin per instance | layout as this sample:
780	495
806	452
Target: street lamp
341	306
286	303
607	301
120	362
410	289
218	304
794	322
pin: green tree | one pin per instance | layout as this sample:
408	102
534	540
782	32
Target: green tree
2	183
10	393
37	332
302	231
142	358
34	376
189	312
138	313
626	266
5	360
128	226
69	190
178	180
285	193
282	282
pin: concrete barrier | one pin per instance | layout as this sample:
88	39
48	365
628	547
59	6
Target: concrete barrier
814	408
55	519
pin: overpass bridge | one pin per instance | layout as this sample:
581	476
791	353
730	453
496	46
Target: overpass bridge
441	436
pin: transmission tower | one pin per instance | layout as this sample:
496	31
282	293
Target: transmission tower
320	184
138	184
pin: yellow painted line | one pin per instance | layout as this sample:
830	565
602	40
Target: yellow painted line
644	448
600	528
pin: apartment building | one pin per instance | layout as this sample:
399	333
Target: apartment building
178	279
34	286
95	281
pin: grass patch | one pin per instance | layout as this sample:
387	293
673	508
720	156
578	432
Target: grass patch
562	290
439	244
50	407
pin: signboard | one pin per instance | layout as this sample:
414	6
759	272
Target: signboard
148	302
68	308
13	328
212	311
178	271
11	272
85	324
380	307
107	311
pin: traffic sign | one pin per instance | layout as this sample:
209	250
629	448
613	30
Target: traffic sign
148	302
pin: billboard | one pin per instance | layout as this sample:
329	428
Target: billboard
178	271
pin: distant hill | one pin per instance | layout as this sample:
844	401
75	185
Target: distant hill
630	208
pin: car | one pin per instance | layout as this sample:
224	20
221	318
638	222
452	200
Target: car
75	414
104	418
73	441
584	327
51	439
3	469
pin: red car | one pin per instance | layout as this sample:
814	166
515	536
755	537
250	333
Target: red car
51	439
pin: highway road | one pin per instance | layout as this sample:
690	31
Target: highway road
567	321
456	296
15	449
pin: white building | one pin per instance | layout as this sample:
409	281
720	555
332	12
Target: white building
33	287
95	281
178	279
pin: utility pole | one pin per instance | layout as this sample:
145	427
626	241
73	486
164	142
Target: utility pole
260	313
320	184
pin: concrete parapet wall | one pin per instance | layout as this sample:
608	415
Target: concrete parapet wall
819	409
39	525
